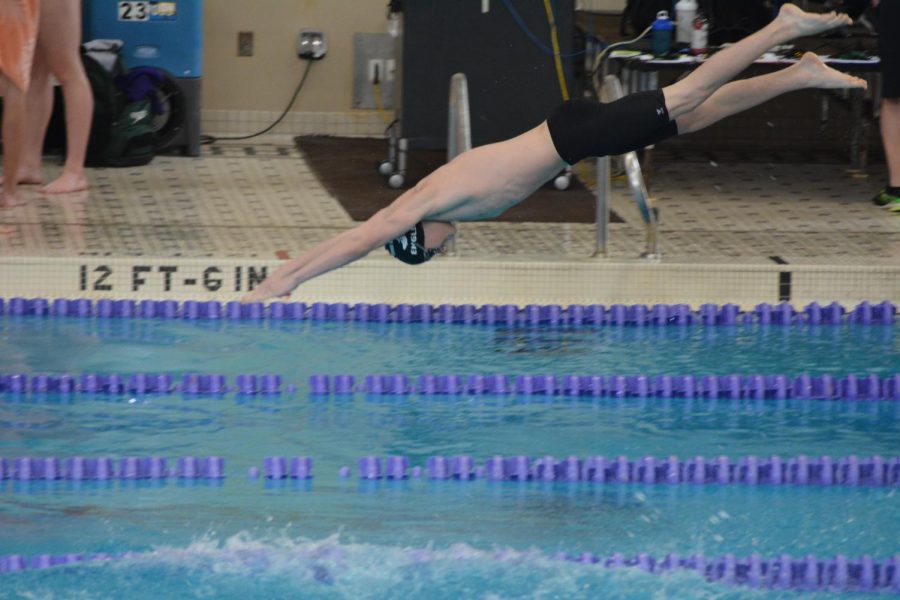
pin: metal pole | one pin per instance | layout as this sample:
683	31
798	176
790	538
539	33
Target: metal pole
612	90
459	130
603	192
459	127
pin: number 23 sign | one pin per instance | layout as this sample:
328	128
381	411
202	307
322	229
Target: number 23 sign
134	10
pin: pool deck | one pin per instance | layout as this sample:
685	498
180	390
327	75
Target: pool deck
206	228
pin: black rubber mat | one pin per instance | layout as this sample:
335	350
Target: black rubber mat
347	167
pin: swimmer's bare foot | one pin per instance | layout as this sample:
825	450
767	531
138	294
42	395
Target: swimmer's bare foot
66	183
820	75
798	23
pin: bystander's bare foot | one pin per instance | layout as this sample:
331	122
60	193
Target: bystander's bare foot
11	200
66	183
28	177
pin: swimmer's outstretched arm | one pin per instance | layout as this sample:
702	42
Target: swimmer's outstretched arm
344	248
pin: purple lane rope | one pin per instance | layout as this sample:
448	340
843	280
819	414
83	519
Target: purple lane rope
747	470
489	314
279	467
79	468
142	383
810	573
757	387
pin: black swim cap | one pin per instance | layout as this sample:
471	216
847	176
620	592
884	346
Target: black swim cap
410	247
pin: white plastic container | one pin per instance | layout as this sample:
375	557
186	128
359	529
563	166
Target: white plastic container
700	36
685	11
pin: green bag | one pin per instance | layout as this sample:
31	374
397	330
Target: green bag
132	137
122	133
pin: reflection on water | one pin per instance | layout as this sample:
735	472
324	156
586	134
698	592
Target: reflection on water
300	349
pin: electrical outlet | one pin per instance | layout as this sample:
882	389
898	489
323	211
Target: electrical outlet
375	68
390	65
245	43
311	44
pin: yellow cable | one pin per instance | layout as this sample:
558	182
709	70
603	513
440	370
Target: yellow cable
382	112
556	53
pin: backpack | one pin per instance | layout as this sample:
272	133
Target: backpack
122	133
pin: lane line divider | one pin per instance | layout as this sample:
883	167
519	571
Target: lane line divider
748	470
757	387
79	468
810	573
865	387
576	315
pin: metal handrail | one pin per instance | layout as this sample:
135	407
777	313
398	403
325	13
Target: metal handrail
611	91
603	192
459	124
459	130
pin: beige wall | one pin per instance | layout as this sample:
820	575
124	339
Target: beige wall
266	80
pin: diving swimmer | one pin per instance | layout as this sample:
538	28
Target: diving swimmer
487	180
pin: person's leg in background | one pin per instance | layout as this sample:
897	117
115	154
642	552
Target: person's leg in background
59	42
18	32
889	51
890	137
39	106
13	139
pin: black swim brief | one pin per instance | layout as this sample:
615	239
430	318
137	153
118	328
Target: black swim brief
583	127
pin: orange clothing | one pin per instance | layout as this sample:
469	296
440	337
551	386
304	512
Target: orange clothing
18	36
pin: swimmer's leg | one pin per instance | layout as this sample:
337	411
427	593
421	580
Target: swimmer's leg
791	22
740	95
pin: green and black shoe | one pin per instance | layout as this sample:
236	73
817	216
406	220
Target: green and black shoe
888	200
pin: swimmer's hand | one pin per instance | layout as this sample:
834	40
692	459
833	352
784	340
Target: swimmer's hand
270	288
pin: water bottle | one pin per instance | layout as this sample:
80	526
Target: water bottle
685	11
700	35
662	33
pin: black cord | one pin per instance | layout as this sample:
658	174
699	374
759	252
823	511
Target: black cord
210	139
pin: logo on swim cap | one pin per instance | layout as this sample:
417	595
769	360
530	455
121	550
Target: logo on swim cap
410	247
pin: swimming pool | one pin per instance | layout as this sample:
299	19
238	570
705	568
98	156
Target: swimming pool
334	536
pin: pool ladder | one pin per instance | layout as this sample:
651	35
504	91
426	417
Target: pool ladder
610	91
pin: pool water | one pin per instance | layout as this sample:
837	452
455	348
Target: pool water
333	537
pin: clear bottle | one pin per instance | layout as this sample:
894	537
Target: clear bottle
700	35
